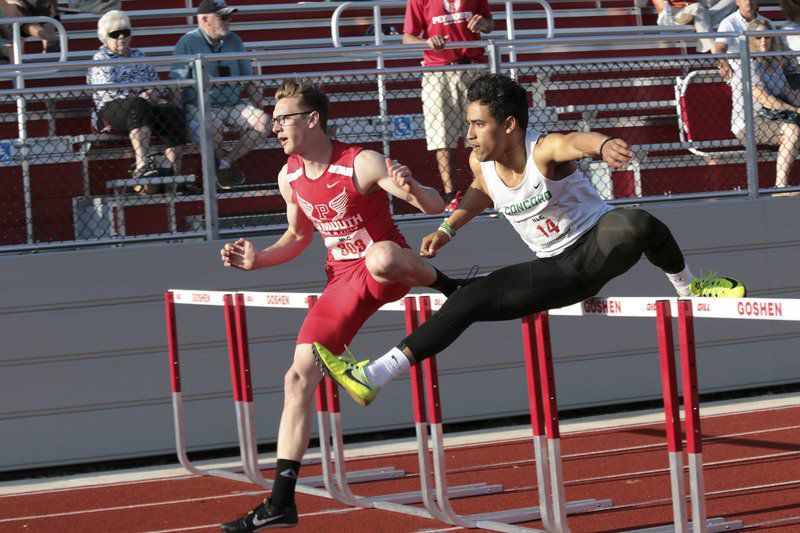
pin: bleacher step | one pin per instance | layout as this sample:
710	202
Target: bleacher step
120	184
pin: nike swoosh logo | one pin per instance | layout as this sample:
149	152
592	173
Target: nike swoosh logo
537	185
259	523
349	374
289	473
331	185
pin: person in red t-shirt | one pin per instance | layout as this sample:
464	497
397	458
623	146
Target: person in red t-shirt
341	190
444	94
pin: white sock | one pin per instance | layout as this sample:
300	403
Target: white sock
223	163
387	367
682	281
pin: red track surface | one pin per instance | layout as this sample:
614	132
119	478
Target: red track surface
752	473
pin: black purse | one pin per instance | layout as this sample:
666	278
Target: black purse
783	115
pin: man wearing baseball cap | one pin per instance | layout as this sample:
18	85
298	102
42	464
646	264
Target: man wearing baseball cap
215	6
214	36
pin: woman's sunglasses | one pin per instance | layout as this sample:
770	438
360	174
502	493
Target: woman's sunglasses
116	34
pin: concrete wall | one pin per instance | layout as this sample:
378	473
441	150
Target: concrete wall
83	370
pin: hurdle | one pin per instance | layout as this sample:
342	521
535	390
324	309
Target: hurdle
688	309
335	477
307	485
661	309
501	520
249	469
209	298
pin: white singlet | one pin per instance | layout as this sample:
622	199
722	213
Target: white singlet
549	215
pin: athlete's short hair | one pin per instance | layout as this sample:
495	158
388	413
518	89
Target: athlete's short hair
312	98
503	95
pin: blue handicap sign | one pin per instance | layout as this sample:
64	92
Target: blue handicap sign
6	153
402	127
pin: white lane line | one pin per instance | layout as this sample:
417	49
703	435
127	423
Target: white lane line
661	501
570	482
216	526
132	506
772	522
12	489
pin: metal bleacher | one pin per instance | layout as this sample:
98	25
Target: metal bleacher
265	25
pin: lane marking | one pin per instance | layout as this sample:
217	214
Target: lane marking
216	526
571	482
157	474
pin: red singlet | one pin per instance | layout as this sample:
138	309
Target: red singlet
349	222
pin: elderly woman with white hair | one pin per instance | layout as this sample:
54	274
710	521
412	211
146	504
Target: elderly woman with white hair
139	112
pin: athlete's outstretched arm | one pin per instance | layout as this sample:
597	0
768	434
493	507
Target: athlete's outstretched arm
474	202
374	170
242	254
559	148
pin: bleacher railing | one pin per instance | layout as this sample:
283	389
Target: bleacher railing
78	191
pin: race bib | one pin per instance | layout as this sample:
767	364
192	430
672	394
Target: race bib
545	231
349	247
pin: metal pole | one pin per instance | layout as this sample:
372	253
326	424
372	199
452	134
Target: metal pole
493	56
207	148
751	153
23	135
512	53
383	106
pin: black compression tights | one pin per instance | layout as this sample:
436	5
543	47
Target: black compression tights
609	249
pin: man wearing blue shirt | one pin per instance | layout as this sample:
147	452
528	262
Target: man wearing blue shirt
213	36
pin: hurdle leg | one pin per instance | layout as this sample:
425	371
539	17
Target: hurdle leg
426	494
306	485
691	407
669	391
242	473
175	381
559	505
497	521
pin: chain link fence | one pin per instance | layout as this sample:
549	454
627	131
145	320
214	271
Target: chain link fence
88	163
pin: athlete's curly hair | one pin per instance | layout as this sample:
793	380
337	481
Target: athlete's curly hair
312	98
503	95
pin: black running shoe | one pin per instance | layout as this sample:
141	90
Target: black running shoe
264	516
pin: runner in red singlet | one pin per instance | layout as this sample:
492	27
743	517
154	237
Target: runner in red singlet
341	190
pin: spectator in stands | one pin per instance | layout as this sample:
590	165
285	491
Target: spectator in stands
213	36
141	113
6	47
34	8
776	107
791	11
735	22
706	15
444	94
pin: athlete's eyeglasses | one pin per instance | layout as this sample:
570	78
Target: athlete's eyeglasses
281	119
116	34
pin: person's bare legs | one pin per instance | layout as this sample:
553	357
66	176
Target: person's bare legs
300	383
787	152
174	156
444	159
253	134
389	263
140	141
45	32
